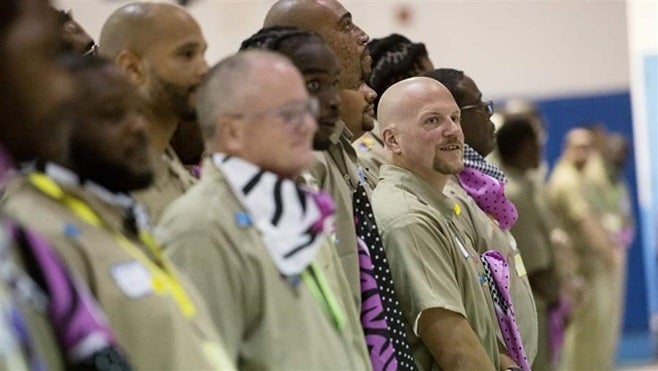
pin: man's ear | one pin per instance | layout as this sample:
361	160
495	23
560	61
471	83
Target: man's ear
230	133
132	66
389	136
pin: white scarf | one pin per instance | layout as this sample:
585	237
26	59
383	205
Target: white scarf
291	221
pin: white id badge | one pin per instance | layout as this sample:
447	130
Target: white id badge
133	279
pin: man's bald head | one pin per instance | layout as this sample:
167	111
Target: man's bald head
294	13
161	48
333	22
578	136
578	146
137	25
403	99
420	127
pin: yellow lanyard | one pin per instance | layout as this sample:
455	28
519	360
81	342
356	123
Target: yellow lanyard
163	277
314	279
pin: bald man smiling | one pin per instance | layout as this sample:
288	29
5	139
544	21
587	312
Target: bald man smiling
436	270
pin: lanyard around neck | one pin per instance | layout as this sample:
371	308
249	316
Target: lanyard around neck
314	279
163	276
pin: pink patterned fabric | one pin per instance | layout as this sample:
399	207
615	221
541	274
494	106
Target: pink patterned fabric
497	271
625	237
557	321
489	194
195	170
381	316
373	317
327	210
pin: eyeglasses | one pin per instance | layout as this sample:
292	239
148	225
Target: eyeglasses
292	114
488	106
92	50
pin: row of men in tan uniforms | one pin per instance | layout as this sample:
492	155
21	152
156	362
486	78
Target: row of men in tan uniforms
278	287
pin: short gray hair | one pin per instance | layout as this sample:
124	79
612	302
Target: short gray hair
229	86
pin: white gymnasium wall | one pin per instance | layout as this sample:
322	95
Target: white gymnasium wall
643	51
534	48
643	41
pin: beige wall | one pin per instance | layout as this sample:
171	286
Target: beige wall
511	48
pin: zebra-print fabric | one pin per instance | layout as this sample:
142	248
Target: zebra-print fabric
286	215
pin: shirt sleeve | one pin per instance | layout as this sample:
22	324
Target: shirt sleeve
422	265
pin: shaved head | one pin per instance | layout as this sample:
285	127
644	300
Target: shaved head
160	48
578	146
578	136
420	124
402	100
333	22
135	26
294	13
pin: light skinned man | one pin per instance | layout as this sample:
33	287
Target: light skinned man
319	66
339	171
437	271
247	233
487	214
589	341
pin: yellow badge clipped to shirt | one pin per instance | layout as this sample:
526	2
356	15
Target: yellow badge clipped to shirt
520	268
216	355
366	143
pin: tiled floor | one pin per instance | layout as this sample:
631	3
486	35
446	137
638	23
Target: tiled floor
638	367
637	352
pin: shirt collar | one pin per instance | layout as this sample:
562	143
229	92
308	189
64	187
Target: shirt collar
112	206
419	187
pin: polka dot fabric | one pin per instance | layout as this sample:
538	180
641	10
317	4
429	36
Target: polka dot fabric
366	230
497	275
489	194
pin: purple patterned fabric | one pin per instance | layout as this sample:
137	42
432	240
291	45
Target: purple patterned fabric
78	323
382	353
195	170
625	237
20	330
327	210
379	270
489	194
557	321
497	271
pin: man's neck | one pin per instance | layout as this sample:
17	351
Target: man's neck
517	165
67	175
437	180
161	129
